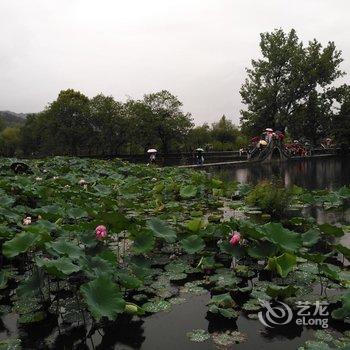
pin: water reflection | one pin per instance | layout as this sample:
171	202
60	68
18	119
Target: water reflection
328	216
330	173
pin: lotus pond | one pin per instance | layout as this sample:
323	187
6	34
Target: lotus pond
110	255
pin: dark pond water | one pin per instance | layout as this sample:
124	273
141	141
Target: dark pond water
167	330
319	173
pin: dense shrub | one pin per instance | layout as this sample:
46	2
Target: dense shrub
270	198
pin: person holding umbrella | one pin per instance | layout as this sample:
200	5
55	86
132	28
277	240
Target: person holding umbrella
199	156
152	155
269	134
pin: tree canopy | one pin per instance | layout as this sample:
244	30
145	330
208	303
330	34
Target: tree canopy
74	124
286	88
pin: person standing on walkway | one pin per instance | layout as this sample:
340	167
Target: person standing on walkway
200	156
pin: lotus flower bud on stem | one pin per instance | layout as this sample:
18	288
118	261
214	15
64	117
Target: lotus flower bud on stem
235	238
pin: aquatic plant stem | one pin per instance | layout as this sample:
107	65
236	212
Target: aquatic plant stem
79	306
320	276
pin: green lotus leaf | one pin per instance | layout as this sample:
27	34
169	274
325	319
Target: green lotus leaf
344	250
282	264
103	298
198	335
236	251
129	281
224	282
9	215
244	271
177	301
226	339
32	317
252	305
178	266
60	267
3	279
251	230
344	311
96	266
331	230
156	306
117	222
19	244
344	276
280	291
195	224
5	232
324	335
76	213
298	221
196	213
41	226
222	300
192	244
109	256
193	288
207	262
287	240
10	344
310	237
330	271
143	242
31	285
225	312
188	191
140	266
51	212
261	249
317	258
63	247
176	276
162	230
26	305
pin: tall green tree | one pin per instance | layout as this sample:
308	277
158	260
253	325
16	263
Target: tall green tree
142	134
159	119
69	122
341	118
9	141
280	83
2	124
199	136
224	130
33	135
110	124
312	120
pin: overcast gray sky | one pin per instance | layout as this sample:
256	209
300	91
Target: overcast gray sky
196	49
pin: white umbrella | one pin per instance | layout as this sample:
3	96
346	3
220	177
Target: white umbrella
152	150
269	129
200	149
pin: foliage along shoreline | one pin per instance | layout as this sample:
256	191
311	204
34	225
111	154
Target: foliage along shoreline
292	87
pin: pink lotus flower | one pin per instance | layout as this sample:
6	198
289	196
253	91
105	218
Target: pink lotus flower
235	238
101	232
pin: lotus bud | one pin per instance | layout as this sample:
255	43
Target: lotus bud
101	231
235	238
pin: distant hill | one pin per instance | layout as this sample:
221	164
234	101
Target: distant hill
11	118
